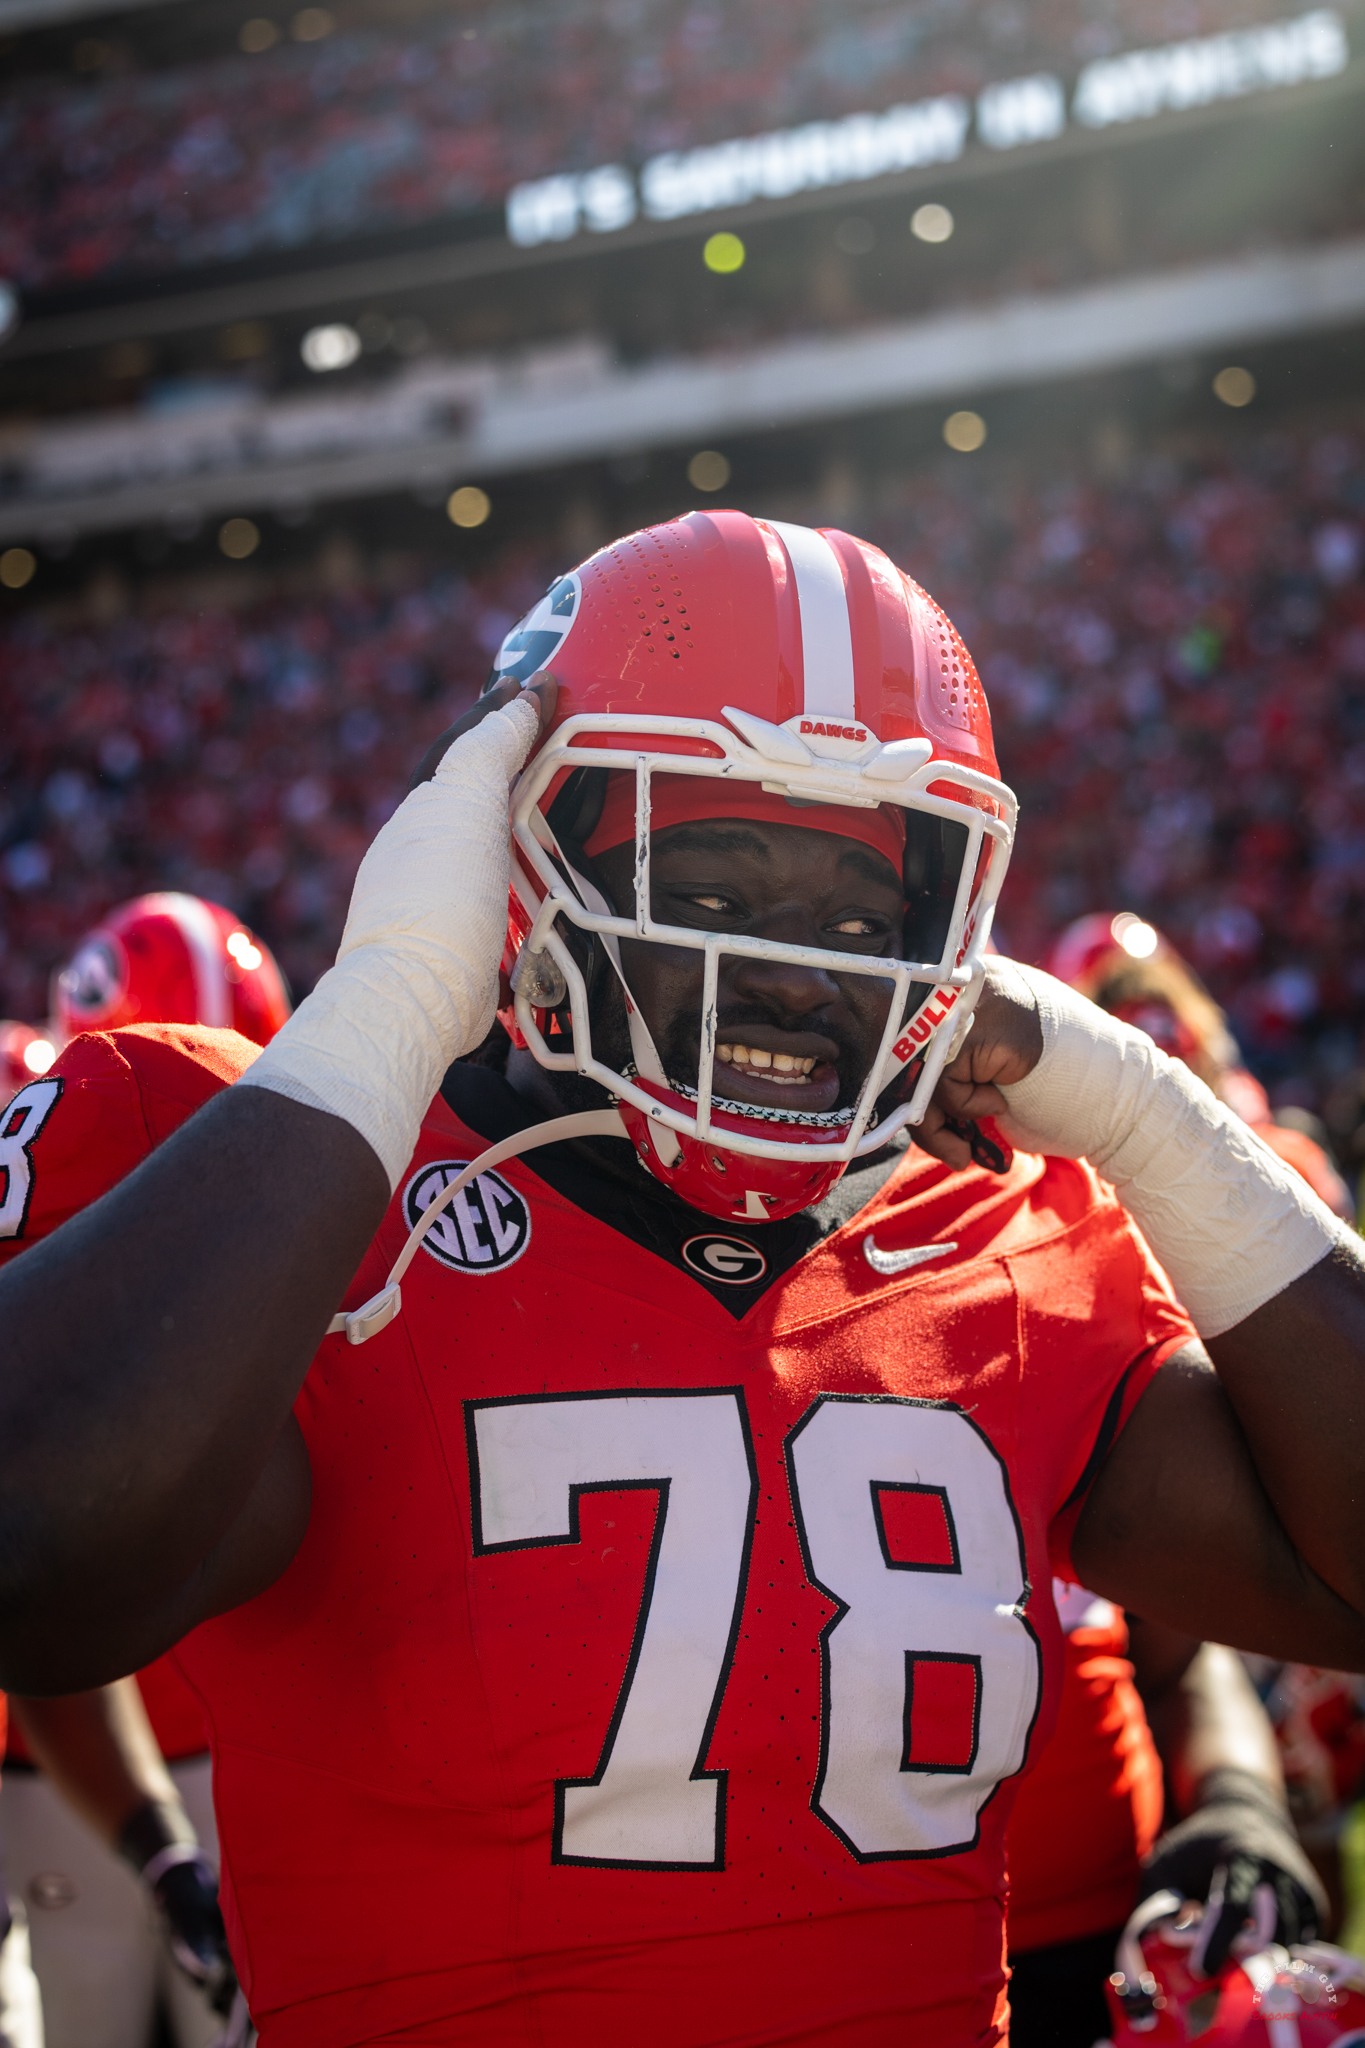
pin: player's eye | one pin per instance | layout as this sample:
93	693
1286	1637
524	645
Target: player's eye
720	906
860	927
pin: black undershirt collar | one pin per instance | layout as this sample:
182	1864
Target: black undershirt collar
604	1178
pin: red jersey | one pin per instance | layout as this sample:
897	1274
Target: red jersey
1091	1809
663	1644
169	1088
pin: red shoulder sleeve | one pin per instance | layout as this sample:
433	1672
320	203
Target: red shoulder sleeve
112	1097
1097	1321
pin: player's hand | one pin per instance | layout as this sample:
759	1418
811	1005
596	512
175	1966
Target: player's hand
542	686
187	1898
1005	1043
1238	1841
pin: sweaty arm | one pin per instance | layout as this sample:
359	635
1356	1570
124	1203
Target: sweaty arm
1232	1506
150	1472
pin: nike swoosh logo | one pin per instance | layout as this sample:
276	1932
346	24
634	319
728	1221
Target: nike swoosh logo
902	1262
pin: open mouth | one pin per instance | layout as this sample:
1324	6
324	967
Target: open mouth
787	1069
802	1075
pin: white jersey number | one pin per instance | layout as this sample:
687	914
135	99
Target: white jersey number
20	1124
931	1674
650	1803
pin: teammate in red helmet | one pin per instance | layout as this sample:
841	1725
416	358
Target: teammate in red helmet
124	1784
167	959
619	1498
1088	1818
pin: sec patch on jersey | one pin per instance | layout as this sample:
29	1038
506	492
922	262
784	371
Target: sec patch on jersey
486	1227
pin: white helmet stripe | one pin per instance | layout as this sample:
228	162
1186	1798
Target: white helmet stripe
826	634
203	941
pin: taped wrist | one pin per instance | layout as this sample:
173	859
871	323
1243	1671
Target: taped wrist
1230	1222
416	975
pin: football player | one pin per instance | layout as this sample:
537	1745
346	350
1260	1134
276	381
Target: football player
618	1619
1088	1816
104	1810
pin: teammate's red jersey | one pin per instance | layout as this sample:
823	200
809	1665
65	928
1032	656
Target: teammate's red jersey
1089	1811
662	1641
170	1086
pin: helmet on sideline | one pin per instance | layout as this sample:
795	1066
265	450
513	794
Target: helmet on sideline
724	666
1265	1996
26	1053
170	959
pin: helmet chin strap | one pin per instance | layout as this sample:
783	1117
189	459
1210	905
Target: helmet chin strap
358	1325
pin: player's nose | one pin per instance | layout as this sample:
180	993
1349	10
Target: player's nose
784	985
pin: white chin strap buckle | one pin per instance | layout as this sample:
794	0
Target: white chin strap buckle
358	1325
374	1315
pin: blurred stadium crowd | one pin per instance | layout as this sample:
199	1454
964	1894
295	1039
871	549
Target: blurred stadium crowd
1176	663
367	130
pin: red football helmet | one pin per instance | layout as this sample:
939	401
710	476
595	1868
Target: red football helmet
170	959
1309	1996
792	668
25	1054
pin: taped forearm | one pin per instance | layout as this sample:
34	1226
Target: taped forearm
1231	1223
415	980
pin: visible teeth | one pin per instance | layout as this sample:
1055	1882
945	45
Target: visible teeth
778	1066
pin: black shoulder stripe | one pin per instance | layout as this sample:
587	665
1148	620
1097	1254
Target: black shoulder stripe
1104	1441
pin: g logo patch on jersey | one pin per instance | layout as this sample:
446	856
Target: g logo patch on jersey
535	640
727	1259
486	1227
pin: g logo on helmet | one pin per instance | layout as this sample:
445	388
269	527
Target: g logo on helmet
95	979
535	640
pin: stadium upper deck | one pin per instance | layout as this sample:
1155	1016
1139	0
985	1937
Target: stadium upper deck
1130	202
574	117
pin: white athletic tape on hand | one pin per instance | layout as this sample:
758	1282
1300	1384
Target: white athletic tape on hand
1230	1222
416	977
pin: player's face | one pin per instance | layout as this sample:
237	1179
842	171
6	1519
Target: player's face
790	1037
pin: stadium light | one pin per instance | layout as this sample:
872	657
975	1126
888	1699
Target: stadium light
931	222
708	470
723	253
311	24
17	566
964	432
334	347
39	1054
239	538
469	506
1234	386
256	35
